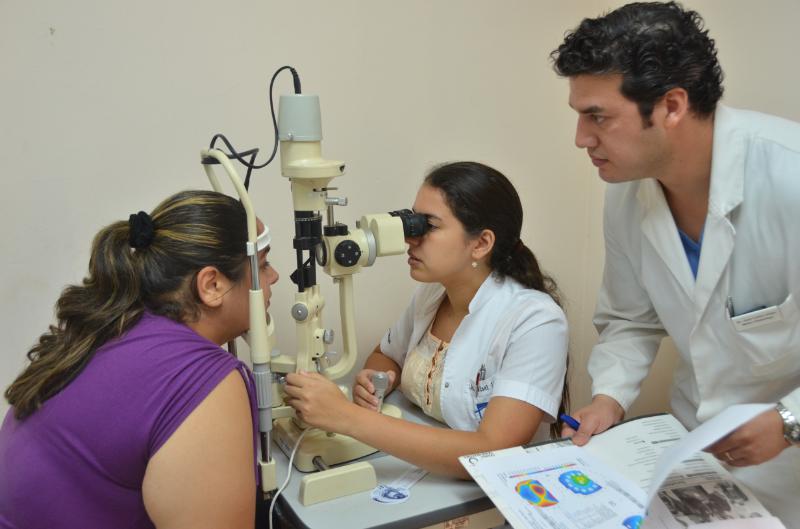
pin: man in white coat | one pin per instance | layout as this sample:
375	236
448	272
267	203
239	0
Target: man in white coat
701	240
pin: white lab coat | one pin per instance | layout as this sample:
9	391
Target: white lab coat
750	253
519	336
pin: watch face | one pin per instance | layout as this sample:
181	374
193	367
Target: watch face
793	435
791	427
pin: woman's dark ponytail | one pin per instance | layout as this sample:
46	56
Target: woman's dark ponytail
145	263
521	265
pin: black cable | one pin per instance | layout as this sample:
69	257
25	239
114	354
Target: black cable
250	170
233	154
241	156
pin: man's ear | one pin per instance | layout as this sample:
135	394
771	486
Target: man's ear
675	107
211	286
483	245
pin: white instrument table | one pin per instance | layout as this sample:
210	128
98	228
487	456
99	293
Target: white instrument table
433	500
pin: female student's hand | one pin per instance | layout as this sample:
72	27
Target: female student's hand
318	401
364	390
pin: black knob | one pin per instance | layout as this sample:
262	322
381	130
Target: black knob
347	253
338	229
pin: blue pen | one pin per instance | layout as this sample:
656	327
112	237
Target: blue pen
571	422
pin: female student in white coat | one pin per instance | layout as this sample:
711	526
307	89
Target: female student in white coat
482	346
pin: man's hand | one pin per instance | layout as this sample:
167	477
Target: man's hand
364	390
595	418
753	443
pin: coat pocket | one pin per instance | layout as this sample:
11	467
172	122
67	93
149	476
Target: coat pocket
773	348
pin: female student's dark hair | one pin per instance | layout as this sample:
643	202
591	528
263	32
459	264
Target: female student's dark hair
483	198
146	263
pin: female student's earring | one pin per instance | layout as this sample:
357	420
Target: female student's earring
474	264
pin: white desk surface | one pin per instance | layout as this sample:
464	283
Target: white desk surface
434	499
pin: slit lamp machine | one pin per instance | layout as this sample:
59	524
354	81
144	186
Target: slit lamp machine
340	252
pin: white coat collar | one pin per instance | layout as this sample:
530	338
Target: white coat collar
485	292
659	227
727	163
725	194
728	154
727	168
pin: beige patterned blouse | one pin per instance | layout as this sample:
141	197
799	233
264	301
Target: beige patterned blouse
421	379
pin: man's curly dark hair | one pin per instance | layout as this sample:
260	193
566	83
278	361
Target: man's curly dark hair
655	46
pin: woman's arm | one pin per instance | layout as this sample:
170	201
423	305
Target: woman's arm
506	422
377	361
203	476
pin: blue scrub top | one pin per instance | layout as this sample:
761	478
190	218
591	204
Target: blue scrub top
692	250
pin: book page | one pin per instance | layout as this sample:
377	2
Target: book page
633	447
694	489
562	487
751	523
688	485
700	491
704	435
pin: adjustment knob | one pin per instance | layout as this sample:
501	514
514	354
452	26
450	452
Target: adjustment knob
347	253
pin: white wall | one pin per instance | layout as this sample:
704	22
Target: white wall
105	106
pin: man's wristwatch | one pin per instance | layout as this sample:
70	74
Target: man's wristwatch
791	427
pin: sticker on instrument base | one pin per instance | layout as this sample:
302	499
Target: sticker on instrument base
389	494
398	490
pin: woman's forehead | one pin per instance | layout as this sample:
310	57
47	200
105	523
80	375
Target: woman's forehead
431	201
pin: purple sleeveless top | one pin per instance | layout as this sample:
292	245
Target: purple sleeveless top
79	461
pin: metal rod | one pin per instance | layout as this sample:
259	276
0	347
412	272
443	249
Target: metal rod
254	283
268	451
319	464
331	221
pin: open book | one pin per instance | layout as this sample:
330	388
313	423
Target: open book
645	465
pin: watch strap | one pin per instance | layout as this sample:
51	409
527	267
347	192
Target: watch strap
791	426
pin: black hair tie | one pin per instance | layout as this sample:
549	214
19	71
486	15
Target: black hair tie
142	230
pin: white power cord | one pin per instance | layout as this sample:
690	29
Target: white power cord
288	474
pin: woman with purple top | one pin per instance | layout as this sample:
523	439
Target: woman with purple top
130	413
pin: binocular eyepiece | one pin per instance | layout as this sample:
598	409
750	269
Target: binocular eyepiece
414	224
